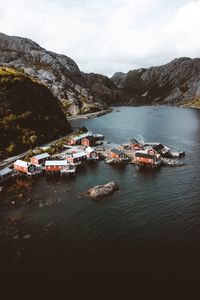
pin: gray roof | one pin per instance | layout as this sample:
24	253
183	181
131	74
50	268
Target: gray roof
134	141
89	149
5	171
21	163
144	154
56	163
81	136
79	154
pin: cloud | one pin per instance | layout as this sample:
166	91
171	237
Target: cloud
107	36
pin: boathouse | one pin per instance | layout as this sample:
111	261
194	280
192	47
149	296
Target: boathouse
135	145
76	140
77	158
56	165
145	157
5	173
39	160
88	141
25	167
116	153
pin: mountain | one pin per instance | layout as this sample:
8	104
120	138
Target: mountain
105	90
177	82
29	113
58	72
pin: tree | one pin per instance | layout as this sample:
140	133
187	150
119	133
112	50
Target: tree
11	148
32	140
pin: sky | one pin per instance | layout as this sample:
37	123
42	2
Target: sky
107	36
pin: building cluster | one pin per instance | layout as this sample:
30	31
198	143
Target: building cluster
82	149
142	154
67	164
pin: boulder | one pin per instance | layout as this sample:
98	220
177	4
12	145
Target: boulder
100	191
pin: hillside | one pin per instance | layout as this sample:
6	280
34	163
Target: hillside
58	72
177	82
29	113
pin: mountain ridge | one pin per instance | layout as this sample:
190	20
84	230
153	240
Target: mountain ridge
175	83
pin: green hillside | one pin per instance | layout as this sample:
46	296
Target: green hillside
29	114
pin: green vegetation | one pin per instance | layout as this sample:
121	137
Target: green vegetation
29	113
65	105
195	102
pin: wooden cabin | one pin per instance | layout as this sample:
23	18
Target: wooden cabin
91	153
59	166
88	141
39	160
116	153
146	157
76	140
5	173
135	145
25	167
77	158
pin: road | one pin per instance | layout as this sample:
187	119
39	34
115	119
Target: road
8	162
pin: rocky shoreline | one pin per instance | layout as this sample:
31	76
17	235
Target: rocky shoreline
91	115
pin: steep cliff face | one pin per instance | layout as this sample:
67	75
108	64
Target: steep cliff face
58	72
29	113
104	89
177	82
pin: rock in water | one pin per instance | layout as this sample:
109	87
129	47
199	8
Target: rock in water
99	191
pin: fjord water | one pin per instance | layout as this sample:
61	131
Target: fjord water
149	229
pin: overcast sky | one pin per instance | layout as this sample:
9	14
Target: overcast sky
106	36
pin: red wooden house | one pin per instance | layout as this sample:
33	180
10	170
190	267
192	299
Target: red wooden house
88	141
55	165
116	153
76	140
39	159
146	157
25	167
135	145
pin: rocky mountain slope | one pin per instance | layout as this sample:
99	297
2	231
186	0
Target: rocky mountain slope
177	82
105	90
29	113
58	72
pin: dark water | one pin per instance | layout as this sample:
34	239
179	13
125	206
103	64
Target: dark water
143	235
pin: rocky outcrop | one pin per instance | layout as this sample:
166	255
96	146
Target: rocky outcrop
168	162
100	191
105	90
174	83
58	72
29	113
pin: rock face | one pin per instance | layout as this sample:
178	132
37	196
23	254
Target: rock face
100	191
174	83
58	72
29	113
105	90
177	82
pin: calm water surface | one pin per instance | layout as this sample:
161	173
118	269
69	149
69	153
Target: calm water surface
150	229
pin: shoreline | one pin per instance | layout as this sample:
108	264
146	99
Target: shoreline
7	162
91	115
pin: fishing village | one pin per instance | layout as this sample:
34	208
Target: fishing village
87	147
